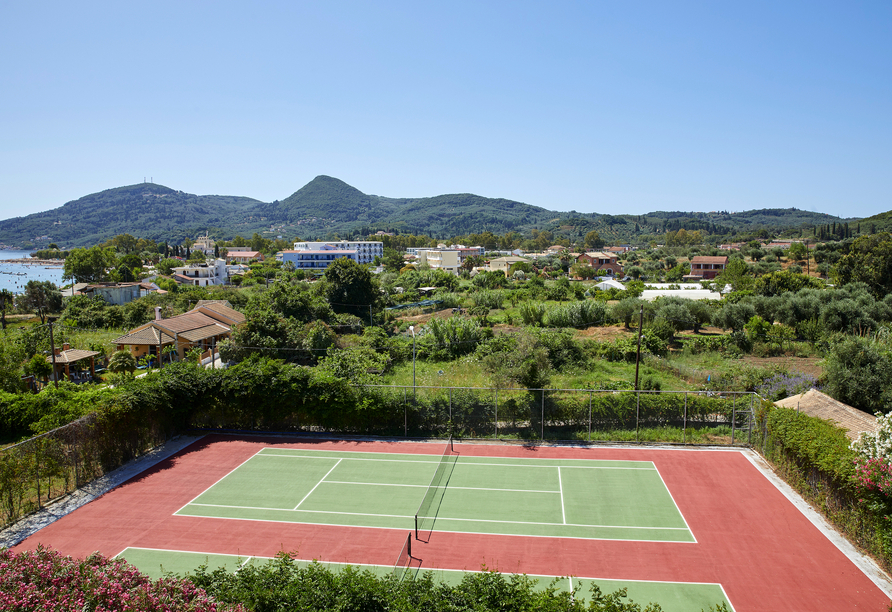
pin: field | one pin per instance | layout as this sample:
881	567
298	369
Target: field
687	528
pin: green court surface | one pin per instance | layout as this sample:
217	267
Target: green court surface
672	596
620	500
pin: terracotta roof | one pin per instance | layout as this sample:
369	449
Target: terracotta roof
182	279
243	254
702	259
221	309
816	404
600	255
202	333
72	355
146	335
206	302
186	321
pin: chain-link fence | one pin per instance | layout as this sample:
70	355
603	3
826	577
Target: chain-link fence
48	466
563	414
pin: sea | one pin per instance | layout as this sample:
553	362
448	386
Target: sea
14	276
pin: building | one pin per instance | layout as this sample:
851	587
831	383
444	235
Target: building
118	294
365	250
600	260
244	256
202	327
448	261
503	264
706	268
201	274
205	244
316	259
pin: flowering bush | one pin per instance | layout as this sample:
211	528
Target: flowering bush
873	466
44	581
874	475
782	385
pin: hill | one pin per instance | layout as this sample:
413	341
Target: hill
328	208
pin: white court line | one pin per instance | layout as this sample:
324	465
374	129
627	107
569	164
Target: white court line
561	485
310	450
439	518
433	569
688	527
408	516
317	484
480	533
388	484
221	478
467	464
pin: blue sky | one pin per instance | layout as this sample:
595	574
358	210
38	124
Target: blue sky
591	106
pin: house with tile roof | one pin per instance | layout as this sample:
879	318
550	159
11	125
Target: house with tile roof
202	327
601	260
706	268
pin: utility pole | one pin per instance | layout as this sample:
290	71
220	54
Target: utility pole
53	352
638	354
637	362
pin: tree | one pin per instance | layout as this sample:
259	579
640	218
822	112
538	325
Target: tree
349	284
870	261
593	240
42	297
166	266
88	265
7	301
11	356
858	374
737	274
122	361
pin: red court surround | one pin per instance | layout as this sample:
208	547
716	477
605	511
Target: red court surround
750	538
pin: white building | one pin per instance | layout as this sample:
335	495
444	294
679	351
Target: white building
366	251
315	259
205	244
201	274
447	261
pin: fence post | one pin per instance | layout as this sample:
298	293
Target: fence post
497	414
637	412
37	472
450	406
590	394
733	416
684	423
405	415
543	415
752	420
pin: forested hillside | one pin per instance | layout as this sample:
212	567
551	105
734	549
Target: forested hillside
328	208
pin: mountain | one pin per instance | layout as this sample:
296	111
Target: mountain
145	210
326	208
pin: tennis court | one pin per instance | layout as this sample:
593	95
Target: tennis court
688	528
617	500
673	596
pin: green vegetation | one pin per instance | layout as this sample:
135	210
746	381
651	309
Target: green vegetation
327	208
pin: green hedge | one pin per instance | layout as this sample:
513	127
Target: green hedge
814	457
281	584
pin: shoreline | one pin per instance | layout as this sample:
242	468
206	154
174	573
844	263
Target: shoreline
29	261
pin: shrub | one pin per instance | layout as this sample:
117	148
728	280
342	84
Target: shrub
489	299
45	580
576	314
858	372
532	312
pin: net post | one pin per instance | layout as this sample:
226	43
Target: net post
409	545
416	527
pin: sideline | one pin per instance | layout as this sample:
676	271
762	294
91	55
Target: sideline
863	562
52	512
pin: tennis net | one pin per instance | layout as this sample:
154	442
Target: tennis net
404	560
430	505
